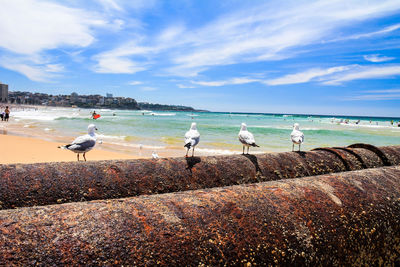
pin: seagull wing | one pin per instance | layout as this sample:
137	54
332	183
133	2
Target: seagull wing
82	144
192	137
246	138
297	136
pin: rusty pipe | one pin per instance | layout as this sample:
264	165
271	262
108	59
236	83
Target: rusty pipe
51	183
350	218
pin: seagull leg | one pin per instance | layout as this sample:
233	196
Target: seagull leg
193	152
84	156
248	150
299	147
243	151
292	147
77	154
187	151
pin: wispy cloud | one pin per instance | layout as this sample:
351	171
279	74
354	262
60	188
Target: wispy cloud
119	61
368	34
233	81
270	31
31	26
110	4
35	72
365	72
376	95
383	91
337	75
263	32
184	86
135	83
305	76
377	58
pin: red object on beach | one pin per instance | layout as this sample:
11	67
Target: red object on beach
96	116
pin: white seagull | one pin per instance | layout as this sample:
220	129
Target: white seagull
246	138
154	155
84	143
192	138
297	136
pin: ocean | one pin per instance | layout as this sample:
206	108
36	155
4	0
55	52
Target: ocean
163	130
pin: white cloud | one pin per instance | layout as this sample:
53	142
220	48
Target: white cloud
31	26
120	60
135	83
384	94
54	68
110	4
233	81
117	65
377	58
266	31
375	97
171	33
305	76
383	91
365	72
183	86
338	75
368	34
33	71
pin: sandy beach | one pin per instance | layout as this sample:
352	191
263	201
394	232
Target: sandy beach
18	149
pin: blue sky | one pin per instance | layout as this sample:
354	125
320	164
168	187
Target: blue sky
317	57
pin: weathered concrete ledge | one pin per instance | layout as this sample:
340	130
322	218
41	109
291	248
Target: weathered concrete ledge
350	218
24	185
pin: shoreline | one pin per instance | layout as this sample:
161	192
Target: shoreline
124	137
16	131
20	149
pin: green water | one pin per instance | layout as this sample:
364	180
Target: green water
218	130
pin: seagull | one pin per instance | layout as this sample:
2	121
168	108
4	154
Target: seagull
246	138
154	155
84	143
192	138
297	136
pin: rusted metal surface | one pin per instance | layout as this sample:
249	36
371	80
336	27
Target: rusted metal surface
388	154
350	218
349	160
392	154
54	183
374	149
359	162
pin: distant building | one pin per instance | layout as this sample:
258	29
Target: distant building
74	97
109	95
3	92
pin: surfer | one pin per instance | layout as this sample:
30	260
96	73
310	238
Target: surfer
95	115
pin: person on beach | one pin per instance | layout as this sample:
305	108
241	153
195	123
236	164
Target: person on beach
7	114
2	116
94	114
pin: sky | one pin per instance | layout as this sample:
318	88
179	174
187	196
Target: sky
336	57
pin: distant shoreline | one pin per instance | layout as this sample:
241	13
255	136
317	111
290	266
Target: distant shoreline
218	112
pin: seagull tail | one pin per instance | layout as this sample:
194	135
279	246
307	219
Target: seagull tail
255	145
64	147
187	145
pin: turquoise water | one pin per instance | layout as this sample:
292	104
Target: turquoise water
161	130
